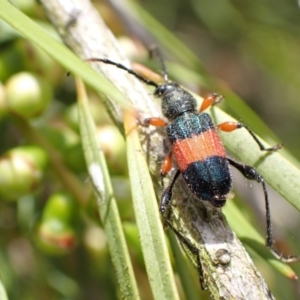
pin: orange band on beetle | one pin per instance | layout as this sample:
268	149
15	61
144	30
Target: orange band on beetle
198	148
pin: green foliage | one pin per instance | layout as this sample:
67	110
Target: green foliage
254	49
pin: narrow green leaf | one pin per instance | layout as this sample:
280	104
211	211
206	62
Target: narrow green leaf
249	235
167	39
277	171
58	51
3	295
107	206
190	287
146	211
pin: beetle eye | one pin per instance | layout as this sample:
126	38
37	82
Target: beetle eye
161	89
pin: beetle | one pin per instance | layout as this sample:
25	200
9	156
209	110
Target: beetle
199	152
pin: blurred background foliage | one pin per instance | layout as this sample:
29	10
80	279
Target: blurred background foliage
52	246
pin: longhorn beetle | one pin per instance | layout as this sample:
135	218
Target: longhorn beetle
199	153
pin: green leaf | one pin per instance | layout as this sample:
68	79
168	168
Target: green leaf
107	206
58	51
277	171
150	228
249	235
190	287
3	295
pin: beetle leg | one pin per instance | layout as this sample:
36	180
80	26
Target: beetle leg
165	167
166	197
231	126
211	99
158	122
194	250
250	173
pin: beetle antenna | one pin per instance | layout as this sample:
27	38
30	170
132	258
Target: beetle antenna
120	66
155	51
